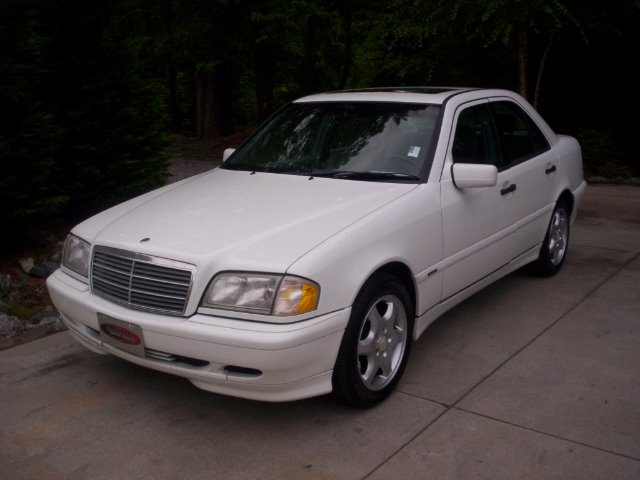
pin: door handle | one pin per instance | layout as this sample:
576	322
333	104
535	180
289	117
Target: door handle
509	189
550	169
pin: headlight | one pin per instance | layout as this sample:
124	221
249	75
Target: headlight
262	293
76	255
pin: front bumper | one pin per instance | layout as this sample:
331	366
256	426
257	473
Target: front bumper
246	359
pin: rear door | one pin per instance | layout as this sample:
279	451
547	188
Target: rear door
528	161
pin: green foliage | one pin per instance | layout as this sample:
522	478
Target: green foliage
112	114
28	133
17	308
89	88
498	18
80	126
602	155
421	43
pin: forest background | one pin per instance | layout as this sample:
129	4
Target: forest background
91	92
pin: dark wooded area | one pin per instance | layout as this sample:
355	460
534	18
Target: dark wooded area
89	90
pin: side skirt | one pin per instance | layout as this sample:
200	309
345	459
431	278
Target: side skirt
428	317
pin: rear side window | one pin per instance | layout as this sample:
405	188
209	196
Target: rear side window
520	138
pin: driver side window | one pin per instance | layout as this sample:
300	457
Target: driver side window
475	139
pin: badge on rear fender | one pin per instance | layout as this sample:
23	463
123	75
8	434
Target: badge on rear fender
121	335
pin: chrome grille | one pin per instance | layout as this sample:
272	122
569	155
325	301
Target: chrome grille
141	281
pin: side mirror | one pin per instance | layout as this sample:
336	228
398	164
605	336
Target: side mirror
227	153
472	175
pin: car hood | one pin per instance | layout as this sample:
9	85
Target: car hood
239	220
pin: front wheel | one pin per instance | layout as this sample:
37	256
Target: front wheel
376	343
556	242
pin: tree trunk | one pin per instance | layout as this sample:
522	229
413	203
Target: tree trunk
206	119
264	76
523	50
309	77
168	13
174	113
346	62
536	93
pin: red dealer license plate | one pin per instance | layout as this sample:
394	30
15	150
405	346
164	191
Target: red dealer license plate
121	335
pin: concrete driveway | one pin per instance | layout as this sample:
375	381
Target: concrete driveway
531	378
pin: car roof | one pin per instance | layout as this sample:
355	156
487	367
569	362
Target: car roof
427	95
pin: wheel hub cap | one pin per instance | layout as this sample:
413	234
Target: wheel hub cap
383	338
383	342
558	233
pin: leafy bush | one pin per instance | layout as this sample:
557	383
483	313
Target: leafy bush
601	155
80	125
28	133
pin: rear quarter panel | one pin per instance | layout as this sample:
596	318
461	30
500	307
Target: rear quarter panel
570	174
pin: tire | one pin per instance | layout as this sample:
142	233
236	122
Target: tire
556	243
376	343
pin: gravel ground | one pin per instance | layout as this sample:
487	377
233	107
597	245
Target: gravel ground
190	156
181	168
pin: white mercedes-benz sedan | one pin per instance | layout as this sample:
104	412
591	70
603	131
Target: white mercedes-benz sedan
313	257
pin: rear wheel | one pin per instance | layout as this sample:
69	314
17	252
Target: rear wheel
556	242
376	343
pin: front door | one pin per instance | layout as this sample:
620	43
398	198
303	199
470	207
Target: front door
477	222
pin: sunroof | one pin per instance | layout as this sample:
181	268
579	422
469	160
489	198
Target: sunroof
432	90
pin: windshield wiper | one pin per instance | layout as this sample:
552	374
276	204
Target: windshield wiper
370	176
264	169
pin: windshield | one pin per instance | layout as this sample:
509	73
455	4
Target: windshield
365	141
